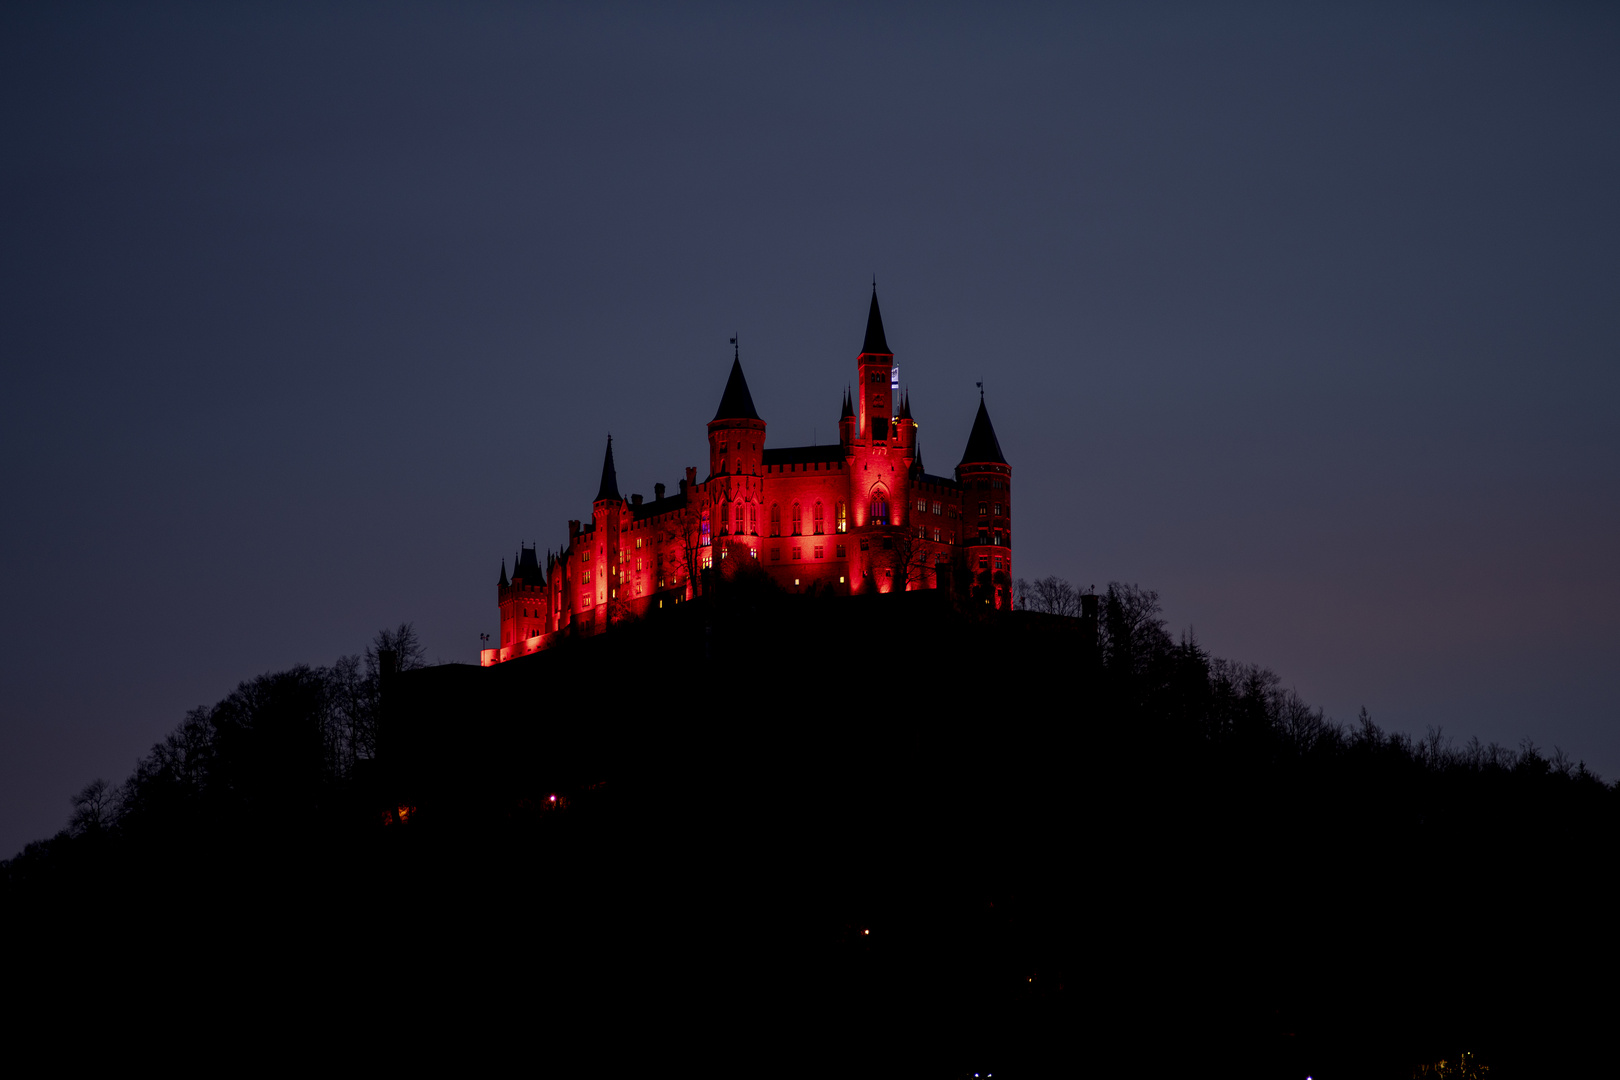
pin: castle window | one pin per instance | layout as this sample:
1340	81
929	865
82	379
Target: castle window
839	550
638	564
703	531
817	519
776	554
936	508
798	553
922	532
753	520
936	536
725	518
922	506
984	563
798	520
984	536
843	517
880	510
998	562
998	509
638	543
984	508
722	448
776	519
818	552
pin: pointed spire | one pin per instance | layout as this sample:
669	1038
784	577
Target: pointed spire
875	341
736	403
982	445
504	582
905	407
849	407
609	491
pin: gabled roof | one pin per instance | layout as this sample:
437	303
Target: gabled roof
610	478
875	341
667	505
982	445
801	455
736	403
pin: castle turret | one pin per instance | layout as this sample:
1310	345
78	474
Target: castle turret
599	570
986	481
736	456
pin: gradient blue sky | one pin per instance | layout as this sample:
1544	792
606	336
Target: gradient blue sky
1306	319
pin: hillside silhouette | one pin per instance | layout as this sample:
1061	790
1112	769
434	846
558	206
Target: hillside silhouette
722	833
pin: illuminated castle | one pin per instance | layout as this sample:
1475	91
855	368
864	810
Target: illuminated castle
855	517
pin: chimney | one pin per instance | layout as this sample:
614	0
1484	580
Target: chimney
658	492
573	530
635	500
691	475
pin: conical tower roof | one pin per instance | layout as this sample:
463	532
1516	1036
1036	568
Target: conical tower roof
736	403
982	445
504	582
610	478
875	341
528	569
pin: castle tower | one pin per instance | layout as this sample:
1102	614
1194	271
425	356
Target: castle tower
986	481
599	592
879	467
736	455
523	600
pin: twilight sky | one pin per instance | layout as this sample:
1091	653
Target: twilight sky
1308	320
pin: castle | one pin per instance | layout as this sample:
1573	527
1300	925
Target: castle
858	516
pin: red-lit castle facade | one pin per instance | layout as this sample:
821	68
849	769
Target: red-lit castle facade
853	517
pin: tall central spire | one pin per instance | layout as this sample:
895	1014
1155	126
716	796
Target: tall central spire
609	491
875	341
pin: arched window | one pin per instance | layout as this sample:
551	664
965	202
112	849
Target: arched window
843	517
725	518
817	519
880	509
798	520
753	520
776	519
703	531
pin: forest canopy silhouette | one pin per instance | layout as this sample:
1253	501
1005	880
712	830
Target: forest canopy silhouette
1109	839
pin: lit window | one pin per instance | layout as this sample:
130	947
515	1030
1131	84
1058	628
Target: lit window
880	510
843	518
936	508
703	538
922	506
638	543
998	509
984	508
936	536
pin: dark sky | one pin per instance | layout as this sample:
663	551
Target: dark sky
1308	321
